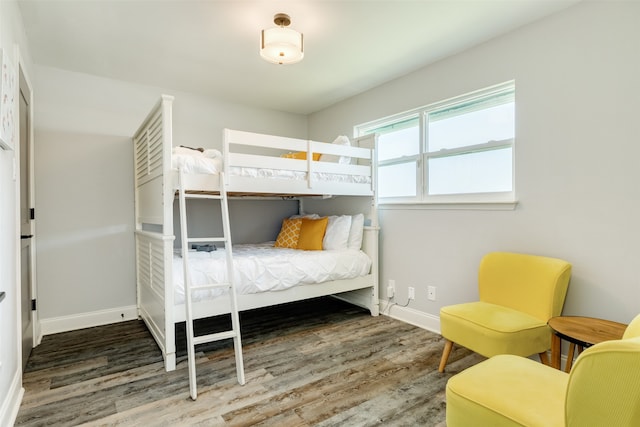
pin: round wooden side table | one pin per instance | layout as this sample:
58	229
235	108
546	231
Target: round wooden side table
582	332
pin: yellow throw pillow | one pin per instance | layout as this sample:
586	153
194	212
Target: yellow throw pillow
311	233
301	155
289	233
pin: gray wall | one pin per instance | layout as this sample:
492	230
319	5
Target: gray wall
577	174
252	221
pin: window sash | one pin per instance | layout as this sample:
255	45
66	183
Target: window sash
402	190
471	176
480	100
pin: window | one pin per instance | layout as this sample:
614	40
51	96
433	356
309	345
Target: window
456	151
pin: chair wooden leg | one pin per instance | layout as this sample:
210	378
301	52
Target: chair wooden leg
446	351
572	348
556	348
544	358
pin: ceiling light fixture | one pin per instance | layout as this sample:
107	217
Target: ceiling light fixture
281	45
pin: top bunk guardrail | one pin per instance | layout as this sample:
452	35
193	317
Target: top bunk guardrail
253	163
275	164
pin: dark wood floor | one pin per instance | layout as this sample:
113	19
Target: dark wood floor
320	363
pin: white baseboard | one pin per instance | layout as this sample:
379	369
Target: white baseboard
88	320
11	402
409	315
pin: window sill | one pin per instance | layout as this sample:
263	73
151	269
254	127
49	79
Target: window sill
481	206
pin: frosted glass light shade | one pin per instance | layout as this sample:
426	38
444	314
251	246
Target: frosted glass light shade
281	45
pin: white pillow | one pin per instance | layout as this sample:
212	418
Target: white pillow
337	234
356	232
343	160
212	153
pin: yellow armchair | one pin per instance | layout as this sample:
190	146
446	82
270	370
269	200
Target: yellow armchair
519	293
603	389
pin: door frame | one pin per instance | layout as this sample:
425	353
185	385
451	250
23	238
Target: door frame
24	81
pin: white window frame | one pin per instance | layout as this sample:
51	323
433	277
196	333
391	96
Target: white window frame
489	200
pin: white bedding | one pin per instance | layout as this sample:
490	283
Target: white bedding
194	161
263	268
210	161
298	175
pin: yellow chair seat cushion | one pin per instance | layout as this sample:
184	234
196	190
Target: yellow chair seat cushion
507	390
491	329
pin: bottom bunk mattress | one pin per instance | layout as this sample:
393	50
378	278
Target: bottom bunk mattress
265	268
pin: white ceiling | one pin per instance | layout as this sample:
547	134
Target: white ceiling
211	47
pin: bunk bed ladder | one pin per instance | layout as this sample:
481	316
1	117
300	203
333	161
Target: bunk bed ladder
192	339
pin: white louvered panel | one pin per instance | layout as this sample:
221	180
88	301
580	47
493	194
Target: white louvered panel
154	141
155	121
141	166
141	156
143	274
157	267
155	163
148	146
154	137
150	265
144	265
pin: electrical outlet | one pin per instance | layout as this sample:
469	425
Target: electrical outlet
412	292
391	289
431	293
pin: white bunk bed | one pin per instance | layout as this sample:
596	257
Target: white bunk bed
155	188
